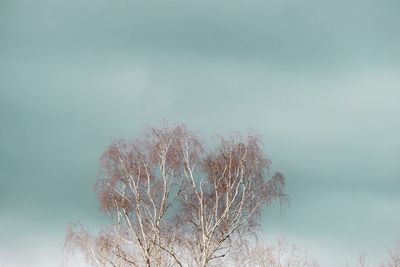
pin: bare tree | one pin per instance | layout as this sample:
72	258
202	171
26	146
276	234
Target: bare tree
222	205
392	259
362	261
280	254
174	203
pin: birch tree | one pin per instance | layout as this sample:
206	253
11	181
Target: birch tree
175	203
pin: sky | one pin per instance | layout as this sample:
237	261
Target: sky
318	80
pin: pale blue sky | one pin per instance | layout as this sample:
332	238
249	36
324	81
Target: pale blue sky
319	80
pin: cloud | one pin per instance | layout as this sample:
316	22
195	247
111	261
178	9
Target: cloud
318	80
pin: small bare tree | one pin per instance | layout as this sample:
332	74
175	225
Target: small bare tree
280	254
174	203
392	259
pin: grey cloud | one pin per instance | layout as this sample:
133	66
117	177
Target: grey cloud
318	80
280	32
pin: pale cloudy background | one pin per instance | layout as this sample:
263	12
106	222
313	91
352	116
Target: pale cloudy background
319	80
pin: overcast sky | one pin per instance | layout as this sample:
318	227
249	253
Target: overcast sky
319	80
